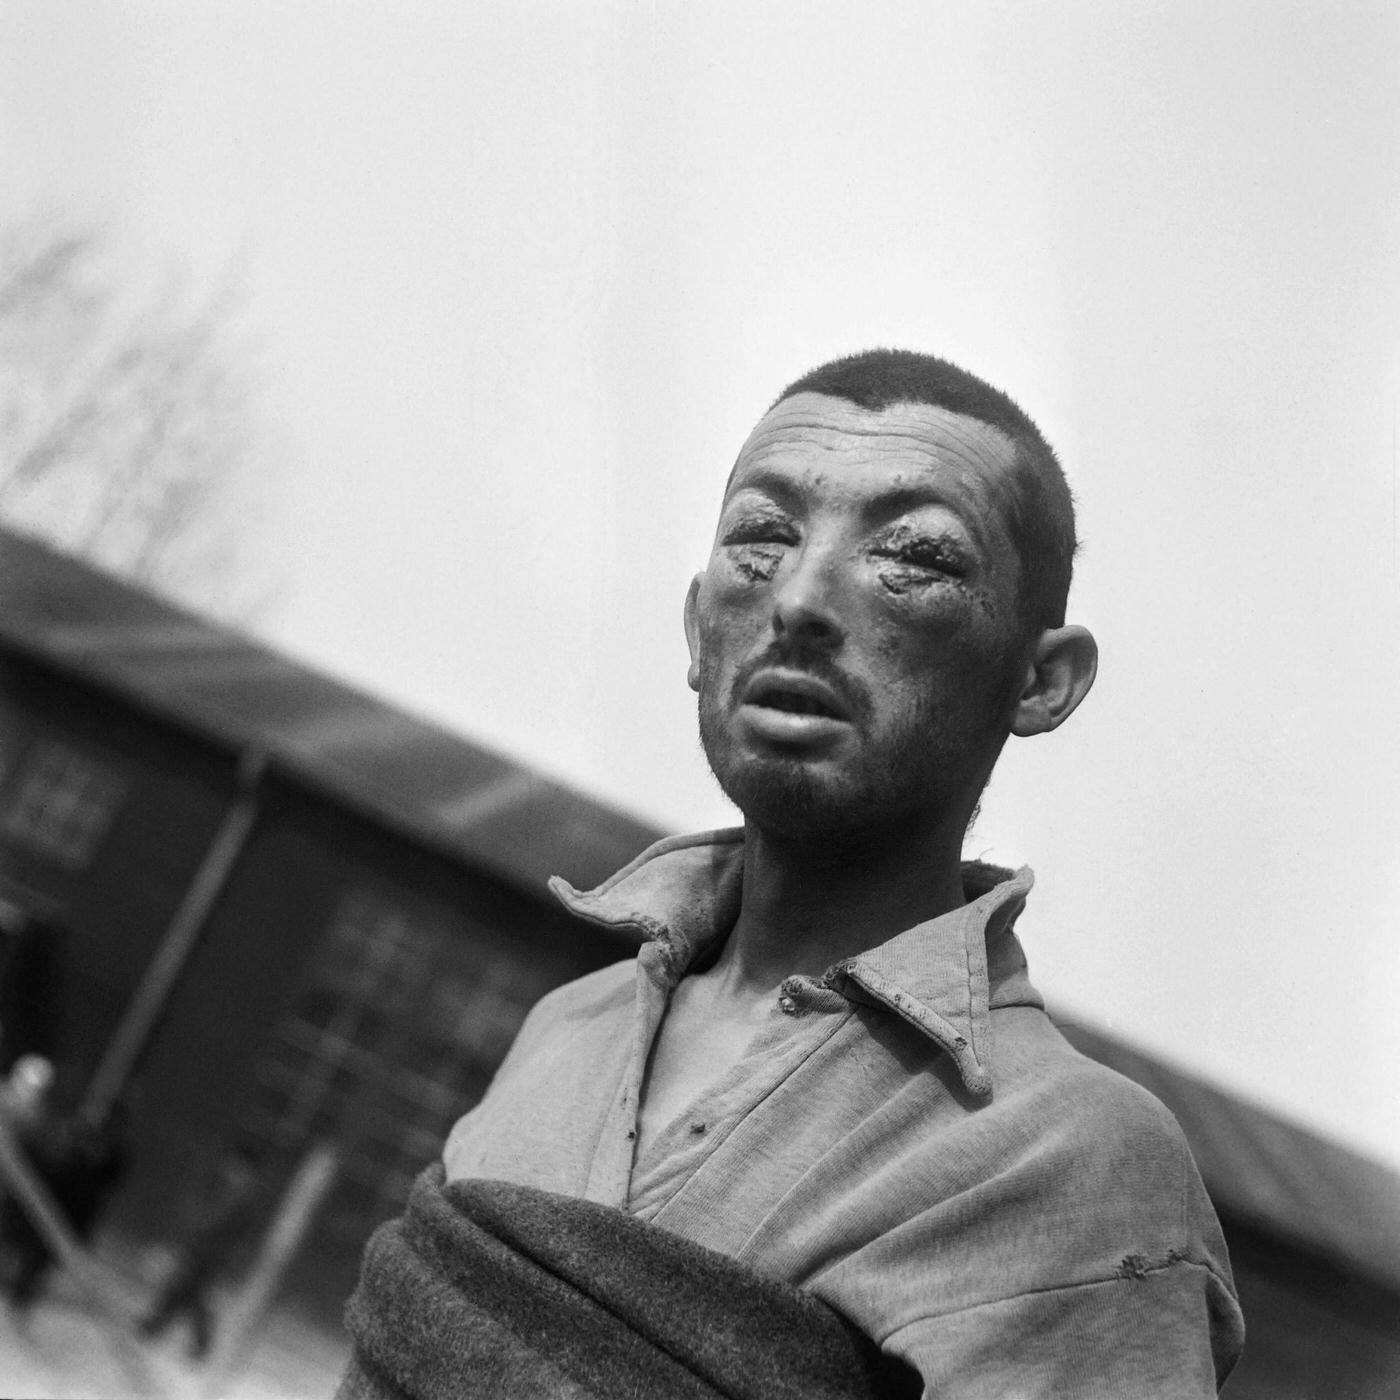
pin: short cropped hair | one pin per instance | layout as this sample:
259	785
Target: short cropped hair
1040	519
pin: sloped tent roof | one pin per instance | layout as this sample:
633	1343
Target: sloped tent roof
457	797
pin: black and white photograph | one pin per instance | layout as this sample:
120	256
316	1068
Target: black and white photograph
700	700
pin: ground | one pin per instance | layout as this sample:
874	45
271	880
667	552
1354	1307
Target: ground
59	1350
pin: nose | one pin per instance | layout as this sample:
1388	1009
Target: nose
804	605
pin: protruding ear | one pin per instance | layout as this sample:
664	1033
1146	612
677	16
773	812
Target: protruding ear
692	631
1058	677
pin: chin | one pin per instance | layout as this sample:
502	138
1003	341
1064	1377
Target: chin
792	797
781	795
785	803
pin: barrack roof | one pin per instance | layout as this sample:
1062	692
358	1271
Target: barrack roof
214	681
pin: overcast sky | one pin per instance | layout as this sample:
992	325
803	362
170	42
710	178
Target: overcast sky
522	275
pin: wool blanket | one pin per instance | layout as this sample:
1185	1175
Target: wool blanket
483	1288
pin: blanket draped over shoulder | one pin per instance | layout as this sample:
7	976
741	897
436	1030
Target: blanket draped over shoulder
483	1288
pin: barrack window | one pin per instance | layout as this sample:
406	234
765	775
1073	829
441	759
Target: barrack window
394	1037
62	802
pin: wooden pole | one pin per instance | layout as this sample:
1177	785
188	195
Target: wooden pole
313	1178
152	995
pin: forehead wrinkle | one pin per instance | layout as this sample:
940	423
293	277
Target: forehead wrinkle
957	439
907	418
901	455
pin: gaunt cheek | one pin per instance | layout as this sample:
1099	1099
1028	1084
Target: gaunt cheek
733	610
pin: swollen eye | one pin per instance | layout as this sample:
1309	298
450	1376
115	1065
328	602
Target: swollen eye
758	534
930	558
763	527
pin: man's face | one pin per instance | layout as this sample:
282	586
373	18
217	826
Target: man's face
854	638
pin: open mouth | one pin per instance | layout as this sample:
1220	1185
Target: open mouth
780	691
794	703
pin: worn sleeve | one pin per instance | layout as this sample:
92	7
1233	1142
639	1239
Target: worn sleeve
1165	1332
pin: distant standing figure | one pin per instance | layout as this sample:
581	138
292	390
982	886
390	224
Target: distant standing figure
24	1100
80	1163
226	1216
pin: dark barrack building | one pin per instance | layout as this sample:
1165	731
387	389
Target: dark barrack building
246	904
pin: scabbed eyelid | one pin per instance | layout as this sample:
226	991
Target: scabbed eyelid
928	556
905	535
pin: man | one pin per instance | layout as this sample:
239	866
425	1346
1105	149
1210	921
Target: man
827	1061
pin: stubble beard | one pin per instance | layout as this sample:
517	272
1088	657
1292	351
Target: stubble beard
919	770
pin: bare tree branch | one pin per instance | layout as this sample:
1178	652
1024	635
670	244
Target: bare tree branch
127	425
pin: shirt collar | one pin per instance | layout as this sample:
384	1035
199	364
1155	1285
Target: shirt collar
943	976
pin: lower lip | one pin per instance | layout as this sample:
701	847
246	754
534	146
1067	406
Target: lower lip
786	727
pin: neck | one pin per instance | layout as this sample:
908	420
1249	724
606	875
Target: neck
808	903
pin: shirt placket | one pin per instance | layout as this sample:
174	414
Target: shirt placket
687	1146
610	1173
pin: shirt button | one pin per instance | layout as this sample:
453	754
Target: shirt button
787	1005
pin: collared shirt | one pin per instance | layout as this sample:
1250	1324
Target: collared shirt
909	1138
